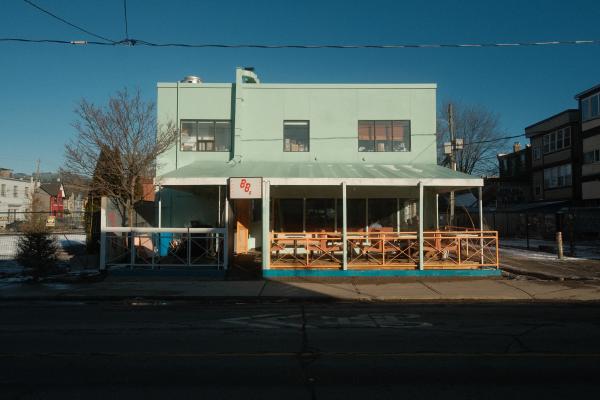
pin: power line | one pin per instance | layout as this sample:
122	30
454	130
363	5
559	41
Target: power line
495	139
125	12
66	22
141	42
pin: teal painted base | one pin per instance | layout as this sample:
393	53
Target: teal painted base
448	273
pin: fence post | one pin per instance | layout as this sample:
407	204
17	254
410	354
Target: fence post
132	249
527	228
559	245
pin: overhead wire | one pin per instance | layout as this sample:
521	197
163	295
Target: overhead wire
66	22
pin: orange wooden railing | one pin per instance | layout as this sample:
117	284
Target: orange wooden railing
441	249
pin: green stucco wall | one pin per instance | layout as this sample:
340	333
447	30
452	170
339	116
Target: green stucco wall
257	112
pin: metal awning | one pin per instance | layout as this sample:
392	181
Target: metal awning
319	173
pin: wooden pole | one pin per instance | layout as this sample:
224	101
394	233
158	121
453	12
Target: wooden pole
559	245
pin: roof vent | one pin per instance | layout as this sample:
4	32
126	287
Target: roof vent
191	79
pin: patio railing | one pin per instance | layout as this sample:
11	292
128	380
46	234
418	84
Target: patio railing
441	249
164	247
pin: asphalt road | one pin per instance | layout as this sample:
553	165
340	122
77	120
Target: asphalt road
154	350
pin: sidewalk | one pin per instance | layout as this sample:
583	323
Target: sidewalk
315	290
547	266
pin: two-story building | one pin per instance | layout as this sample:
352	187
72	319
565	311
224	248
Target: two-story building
316	178
15	198
589	104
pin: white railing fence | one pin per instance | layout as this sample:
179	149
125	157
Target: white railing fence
163	247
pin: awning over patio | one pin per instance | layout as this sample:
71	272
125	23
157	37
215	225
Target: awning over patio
317	173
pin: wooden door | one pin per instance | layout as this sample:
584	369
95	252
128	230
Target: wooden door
242	225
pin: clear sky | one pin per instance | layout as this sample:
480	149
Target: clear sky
41	83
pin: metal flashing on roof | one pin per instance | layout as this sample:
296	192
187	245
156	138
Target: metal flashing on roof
314	174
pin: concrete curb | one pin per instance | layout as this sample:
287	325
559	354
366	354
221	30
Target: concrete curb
541	275
281	299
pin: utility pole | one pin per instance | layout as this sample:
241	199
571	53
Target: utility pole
450	149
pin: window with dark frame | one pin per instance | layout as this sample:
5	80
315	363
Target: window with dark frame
383	135
296	136
205	135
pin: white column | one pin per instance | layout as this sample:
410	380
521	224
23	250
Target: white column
397	215
266	233
421	258
437	211
304	214
159	206
481	221
103	248
344	228
226	236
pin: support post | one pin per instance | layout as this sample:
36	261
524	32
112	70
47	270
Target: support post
304	214
266	233
226	235
367	214
159	206
559	245
421	239
437	211
103	249
397	214
481	223
344	228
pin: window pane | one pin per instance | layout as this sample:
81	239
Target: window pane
567	139
553	141
383	135
188	135
401	136
382	212
288	215
356	213
222	136
320	215
206	136
296	136
366	137
594	107
585	109
559	139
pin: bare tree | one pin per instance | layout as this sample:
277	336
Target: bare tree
480	130
116	146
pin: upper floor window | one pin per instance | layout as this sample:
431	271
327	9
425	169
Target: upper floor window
557	140
205	135
536	153
3	190
384	135
590	107
557	176
296	136
591	157
15	191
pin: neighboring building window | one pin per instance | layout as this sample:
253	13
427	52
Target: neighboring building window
556	177
296	136
537	154
26	191
538	190
15	191
3	190
591	157
205	135
384	136
590	107
557	140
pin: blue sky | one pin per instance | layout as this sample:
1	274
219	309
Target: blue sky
40	84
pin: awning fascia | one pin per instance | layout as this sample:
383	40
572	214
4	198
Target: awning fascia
435	182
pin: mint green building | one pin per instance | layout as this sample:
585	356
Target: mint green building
339	178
